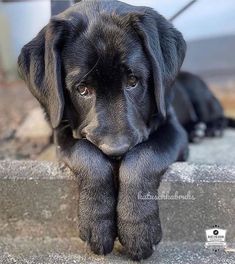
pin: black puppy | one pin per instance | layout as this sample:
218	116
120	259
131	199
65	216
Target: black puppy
103	72
197	109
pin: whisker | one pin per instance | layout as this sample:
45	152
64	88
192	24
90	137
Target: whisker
91	69
63	128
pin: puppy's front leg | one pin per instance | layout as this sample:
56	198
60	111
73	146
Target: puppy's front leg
97	200
140	171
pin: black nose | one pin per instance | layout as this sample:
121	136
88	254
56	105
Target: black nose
115	148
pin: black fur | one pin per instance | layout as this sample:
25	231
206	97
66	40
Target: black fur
197	108
231	122
100	47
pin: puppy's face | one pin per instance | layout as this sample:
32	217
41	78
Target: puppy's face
106	68
107	76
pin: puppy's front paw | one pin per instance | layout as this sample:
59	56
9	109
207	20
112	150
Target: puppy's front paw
138	219
97	220
97	196
197	133
140	238
99	234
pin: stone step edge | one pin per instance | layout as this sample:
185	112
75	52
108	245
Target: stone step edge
178	172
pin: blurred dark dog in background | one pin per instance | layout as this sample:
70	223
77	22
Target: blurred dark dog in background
104	71
197	109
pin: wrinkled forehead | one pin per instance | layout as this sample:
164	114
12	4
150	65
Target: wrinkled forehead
106	47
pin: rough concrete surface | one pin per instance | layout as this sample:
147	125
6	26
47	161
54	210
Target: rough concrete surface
33	170
215	150
40	199
69	251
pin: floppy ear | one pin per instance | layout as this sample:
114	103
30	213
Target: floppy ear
165	48
40	66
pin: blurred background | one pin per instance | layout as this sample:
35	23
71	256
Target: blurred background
207	25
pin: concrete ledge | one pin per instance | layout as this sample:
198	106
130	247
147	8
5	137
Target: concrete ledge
34	170
37	199
41	199
178	172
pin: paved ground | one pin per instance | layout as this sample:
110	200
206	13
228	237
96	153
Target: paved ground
16	103
215	151
57	251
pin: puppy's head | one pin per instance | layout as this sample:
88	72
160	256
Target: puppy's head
107	70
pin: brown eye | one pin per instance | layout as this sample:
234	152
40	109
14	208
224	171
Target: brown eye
83	90
132	81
